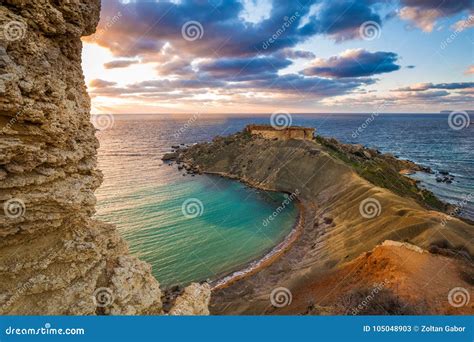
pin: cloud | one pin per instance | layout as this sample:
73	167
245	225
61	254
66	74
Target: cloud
285	85
354	63
464	24
232	69
145	27
341	20
175	66
469	70
98	83
119	64
429	86
425	13
294	54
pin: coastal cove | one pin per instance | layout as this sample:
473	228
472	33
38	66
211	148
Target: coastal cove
143	195
201	228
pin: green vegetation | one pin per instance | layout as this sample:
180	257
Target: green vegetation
384	172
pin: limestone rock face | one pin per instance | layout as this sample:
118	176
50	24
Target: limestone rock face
194	301
54	258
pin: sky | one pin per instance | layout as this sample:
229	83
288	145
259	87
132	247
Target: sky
264	56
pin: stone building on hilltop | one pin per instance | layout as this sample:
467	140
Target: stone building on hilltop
283	133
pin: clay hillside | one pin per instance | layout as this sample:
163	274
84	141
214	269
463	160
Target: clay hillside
353	200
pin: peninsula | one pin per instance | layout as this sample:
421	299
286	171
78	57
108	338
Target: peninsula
365	223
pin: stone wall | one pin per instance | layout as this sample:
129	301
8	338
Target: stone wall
54	258
268	132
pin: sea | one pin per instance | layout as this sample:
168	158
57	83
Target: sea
203	227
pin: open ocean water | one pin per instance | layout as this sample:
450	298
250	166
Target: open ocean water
203	227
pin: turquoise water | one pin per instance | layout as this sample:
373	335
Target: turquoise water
143	196
187	228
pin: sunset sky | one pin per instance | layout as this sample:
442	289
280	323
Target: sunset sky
261	56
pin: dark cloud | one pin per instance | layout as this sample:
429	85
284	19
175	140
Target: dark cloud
429	86
341	19
447	7
294	54
98	83
233	69
175	66
287	84
143	27
119	64
425	13
354	63
315	86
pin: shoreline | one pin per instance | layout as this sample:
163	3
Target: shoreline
270	257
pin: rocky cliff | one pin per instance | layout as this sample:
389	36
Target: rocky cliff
54	258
